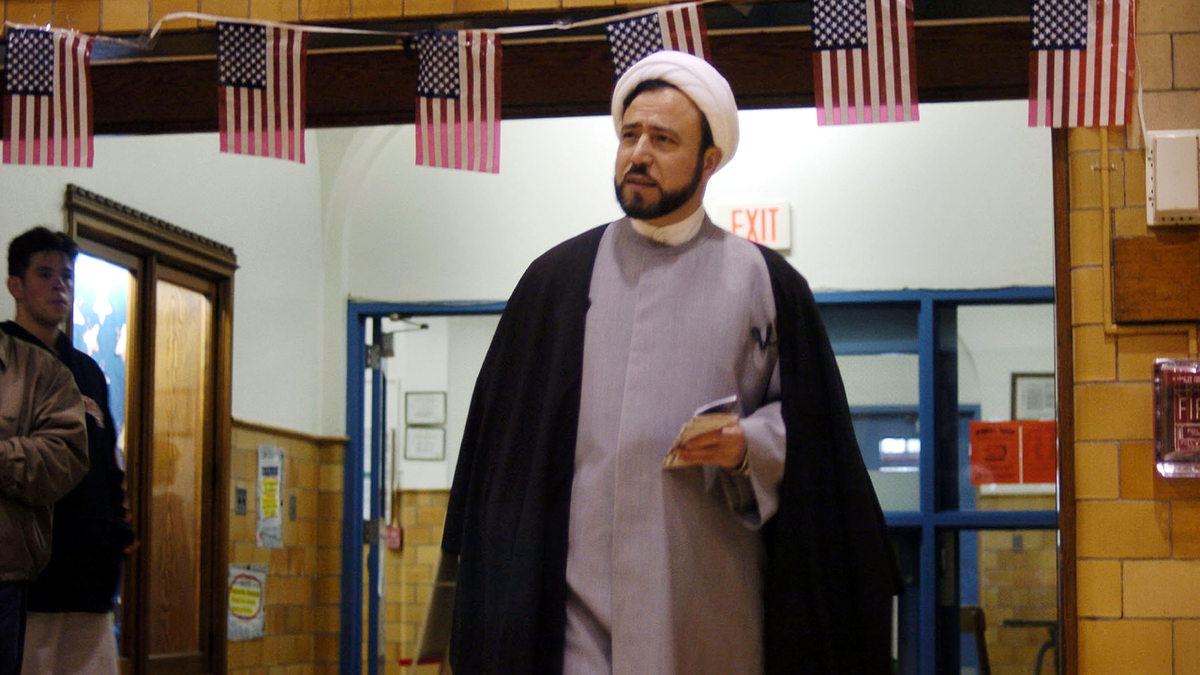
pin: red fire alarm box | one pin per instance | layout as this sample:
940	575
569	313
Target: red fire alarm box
1177	417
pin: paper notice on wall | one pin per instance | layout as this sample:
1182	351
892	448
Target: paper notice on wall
269	533
995	453
1039	452
247	591
1014	452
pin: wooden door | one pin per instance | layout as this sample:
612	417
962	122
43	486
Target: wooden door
177	351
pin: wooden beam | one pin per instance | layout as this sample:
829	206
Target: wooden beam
987	60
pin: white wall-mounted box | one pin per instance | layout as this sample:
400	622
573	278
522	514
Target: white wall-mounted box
1173	177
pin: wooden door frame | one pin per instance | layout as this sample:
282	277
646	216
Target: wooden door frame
92	218
1068	637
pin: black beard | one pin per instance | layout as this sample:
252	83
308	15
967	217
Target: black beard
636	207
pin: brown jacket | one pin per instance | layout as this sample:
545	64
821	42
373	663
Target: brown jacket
43	452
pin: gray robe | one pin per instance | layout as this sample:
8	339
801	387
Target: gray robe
664	569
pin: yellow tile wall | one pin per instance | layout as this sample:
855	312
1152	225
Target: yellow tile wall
1018	579
302	612
409	573
1138	535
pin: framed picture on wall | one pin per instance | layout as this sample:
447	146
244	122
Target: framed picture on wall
425	407
425	443
1033	396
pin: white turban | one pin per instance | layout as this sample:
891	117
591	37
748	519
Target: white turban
696	78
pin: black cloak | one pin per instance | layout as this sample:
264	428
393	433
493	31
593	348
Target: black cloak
831	570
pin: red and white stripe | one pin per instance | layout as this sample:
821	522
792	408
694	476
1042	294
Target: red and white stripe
876	84
683	29
55	130
465	133
270	122
1092	88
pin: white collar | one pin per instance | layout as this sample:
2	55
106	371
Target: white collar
674	234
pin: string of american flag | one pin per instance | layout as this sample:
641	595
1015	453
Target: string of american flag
864	70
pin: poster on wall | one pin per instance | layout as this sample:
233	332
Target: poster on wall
247	590
269	532
1039	452
1177	417
995	453
1023	451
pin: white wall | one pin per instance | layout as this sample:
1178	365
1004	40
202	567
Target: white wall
997	341
267	210
961	199
444	357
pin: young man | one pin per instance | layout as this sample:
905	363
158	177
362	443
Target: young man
762	548
70	626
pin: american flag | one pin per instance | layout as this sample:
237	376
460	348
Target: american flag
48	98
679	28
458	100
261	71
865	61
1082	63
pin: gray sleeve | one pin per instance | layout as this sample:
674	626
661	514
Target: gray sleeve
43	464
755	495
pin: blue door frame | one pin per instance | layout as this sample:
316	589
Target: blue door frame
353	466
935	318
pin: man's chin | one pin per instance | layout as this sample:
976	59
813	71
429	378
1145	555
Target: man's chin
637	207
53	318
642	211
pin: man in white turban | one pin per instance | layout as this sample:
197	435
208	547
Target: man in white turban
594	536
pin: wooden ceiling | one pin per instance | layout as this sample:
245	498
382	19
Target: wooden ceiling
768	66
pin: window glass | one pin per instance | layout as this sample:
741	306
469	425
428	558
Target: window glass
882	392
1005	352
1010	579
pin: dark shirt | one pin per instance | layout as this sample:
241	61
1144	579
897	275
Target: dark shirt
90	528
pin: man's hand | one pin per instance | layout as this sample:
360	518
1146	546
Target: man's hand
724	447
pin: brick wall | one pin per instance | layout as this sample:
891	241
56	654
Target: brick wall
303	592
1138	536
1018	579
408	574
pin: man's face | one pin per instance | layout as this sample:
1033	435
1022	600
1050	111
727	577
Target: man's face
43	293
660	169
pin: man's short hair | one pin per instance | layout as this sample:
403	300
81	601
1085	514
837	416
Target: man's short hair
37	240
706	135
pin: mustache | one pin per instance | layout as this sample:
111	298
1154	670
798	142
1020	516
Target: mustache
637	170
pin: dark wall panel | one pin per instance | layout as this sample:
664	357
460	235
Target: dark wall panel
767	68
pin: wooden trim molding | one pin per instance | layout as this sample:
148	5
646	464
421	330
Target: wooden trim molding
287	433
1068	639
109	222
